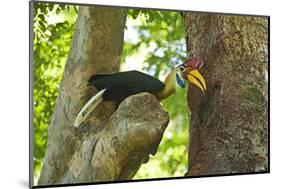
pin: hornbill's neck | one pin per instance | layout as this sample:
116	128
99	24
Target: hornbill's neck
170	86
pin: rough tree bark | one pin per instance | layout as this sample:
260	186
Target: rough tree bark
112	144
229	124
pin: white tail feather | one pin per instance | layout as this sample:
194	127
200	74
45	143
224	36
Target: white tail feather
88	108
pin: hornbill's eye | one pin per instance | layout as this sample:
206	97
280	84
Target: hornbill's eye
181	68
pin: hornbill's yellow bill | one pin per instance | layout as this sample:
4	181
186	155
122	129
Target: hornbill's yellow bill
195	78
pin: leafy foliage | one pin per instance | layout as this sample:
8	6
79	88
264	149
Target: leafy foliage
163	32
53	30
157	35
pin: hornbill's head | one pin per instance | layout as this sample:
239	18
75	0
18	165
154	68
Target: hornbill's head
189	71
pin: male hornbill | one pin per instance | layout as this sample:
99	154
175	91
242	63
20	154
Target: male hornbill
118	86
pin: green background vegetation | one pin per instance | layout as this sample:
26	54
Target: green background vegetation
160	32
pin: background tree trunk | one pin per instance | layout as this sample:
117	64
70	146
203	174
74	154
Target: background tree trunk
108	146
229	124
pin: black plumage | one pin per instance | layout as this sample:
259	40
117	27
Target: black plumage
123	84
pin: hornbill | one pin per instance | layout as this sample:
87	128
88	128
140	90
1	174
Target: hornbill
118	86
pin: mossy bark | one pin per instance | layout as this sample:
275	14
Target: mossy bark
229	124
107	146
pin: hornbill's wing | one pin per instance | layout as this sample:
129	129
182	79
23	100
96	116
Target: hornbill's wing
117	93
132	80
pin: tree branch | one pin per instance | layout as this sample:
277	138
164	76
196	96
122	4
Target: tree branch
116	152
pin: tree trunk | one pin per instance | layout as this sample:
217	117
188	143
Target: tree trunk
108	146
229	124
